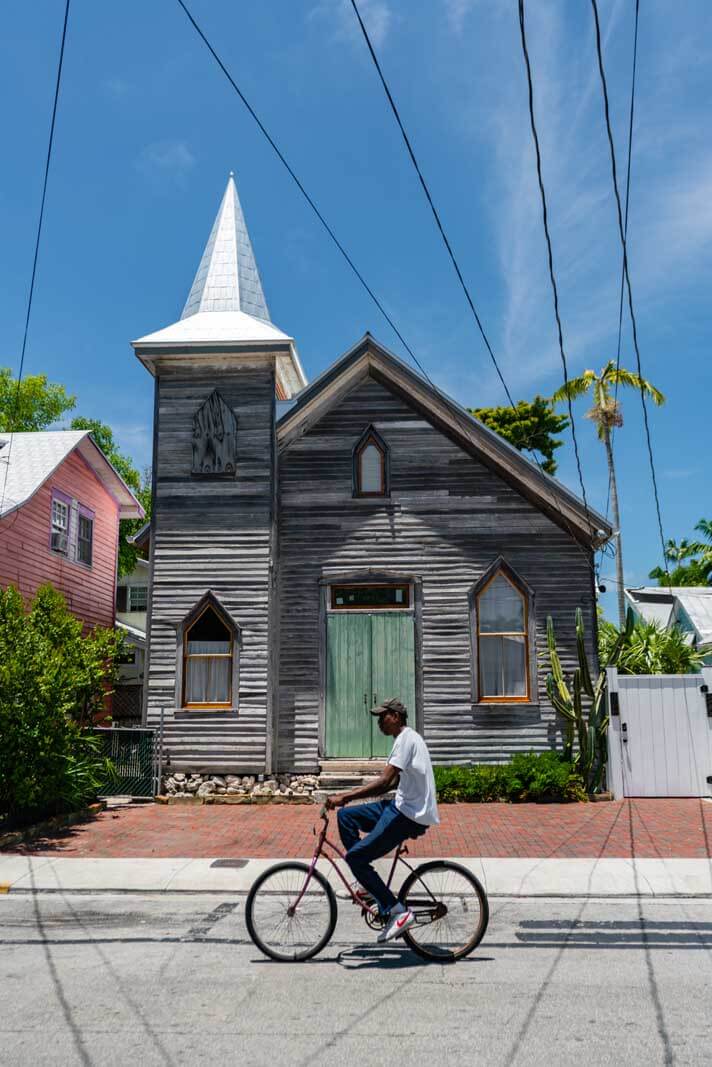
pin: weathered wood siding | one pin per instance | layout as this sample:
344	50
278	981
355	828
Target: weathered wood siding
447	519
27	561
212	535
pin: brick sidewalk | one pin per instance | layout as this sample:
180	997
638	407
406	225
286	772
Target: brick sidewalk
643	828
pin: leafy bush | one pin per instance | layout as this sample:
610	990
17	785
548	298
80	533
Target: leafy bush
650	648
543	776
52	682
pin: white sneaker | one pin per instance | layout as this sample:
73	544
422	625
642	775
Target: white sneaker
400	919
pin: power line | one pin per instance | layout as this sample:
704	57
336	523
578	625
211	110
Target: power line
527	443
429	198
331	233
37	249
548	245
302	190
625	220
626	274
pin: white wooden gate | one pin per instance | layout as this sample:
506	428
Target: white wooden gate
660	734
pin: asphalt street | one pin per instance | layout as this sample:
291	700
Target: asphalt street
173	979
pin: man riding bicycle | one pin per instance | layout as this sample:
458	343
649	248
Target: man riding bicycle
388	823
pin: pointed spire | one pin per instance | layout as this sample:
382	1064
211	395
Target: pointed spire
227	278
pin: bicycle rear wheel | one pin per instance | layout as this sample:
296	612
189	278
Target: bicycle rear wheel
282	928
451	911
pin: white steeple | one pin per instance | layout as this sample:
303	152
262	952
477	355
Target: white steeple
227	278
226	308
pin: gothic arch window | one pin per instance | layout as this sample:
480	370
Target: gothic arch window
371	465
210	651
501	612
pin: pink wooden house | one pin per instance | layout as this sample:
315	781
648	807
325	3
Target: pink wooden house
59	519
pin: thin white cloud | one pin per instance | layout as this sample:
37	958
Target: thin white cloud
671	206
168	159
117	88
339	16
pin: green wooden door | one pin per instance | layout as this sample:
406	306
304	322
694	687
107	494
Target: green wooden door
368	659
348	685
392	669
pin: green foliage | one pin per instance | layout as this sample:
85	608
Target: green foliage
530	776
141	486
529	425
52	682
583	706
650	648
36	406
693	559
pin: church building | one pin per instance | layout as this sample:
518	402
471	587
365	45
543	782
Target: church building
316	548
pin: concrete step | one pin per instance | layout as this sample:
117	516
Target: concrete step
341	782
352	766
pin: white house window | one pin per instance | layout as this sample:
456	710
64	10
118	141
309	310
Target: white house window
85	538
138	598
502	641
208	658
60	527
370	466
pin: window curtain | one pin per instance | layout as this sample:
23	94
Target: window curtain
207	666
503	667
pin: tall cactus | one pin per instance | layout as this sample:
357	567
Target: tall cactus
583	706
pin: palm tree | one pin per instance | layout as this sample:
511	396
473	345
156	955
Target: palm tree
607	415
692	559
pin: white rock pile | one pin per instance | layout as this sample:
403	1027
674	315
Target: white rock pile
191	783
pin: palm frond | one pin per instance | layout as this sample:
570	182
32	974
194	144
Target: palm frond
634	381
575	387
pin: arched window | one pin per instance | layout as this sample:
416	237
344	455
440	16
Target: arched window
502	640
208	659
371	465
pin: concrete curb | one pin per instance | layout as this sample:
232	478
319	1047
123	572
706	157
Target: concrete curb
596	878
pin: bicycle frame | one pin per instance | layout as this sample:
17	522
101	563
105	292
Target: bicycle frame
319	853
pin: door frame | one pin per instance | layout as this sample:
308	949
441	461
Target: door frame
365	576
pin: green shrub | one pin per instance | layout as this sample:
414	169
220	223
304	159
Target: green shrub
650	648
543	776
52	681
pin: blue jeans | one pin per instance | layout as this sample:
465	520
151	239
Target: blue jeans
385	828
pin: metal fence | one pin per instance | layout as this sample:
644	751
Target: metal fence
133	752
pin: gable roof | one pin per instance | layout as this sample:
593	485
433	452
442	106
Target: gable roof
697	605
369	358
662	604
33	458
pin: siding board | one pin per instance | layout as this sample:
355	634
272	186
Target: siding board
212	535
447	519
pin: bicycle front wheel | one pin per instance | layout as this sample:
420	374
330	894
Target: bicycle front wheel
286	921
451	911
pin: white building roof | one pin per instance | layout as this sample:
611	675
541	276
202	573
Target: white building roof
226	306
697	605
30	458
660	604
215	327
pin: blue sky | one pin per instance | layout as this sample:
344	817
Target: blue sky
148	129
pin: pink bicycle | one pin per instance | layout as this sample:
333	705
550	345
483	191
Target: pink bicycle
291	909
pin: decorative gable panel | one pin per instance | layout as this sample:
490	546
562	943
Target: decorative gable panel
215	439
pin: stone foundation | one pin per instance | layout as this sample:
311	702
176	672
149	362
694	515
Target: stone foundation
191	783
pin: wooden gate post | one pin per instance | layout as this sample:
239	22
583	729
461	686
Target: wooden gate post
614	770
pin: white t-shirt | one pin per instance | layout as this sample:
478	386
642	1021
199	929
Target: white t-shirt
415	796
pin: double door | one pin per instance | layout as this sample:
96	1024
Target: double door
370	656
